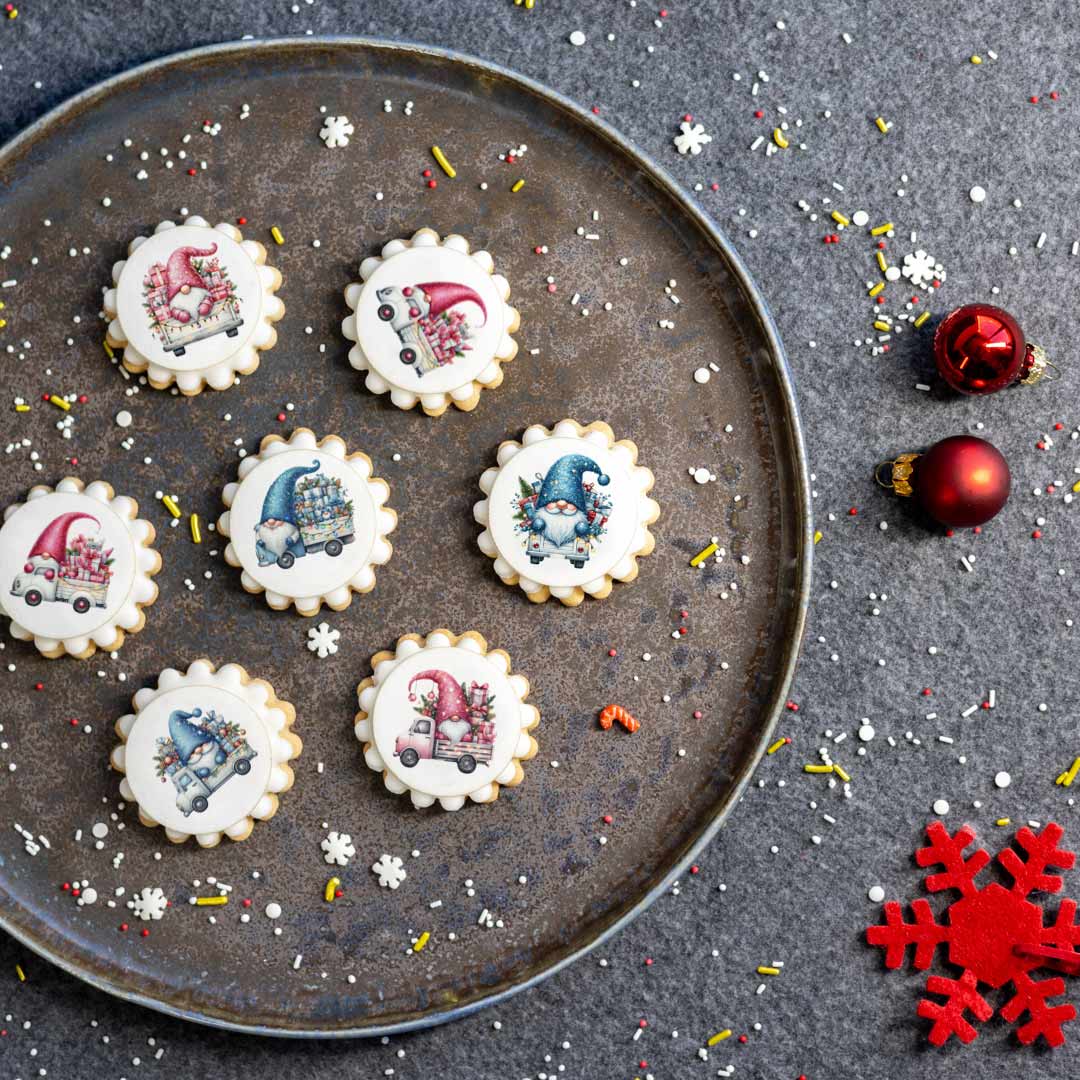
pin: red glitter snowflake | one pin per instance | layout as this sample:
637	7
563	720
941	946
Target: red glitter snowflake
994	934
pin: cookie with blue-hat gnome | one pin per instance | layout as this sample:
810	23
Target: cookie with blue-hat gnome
566	512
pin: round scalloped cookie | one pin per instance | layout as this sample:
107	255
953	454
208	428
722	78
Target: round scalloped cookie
75	568
307	522
566	512
193	304
430	322
205	753
443	719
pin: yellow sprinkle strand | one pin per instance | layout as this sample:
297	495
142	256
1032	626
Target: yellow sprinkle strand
818	768
719	1037
921	319
764	969
518	186
778	138
1003	821
881	230
843	775
875	290
884	327
818	536
776	746
170	505
1076	486
840	219
211	901
702	555
445	165
19	971
331	889
108	350
275	232
881	125
196	532
421	941
1069	775
22	408
60	403
976	59
882	264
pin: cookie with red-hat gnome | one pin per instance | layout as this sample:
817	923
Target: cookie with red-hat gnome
431	322
193	305
76	567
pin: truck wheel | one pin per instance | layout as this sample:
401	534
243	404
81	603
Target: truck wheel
536	560
81	604
32	598
467	763
199	804
578	564
180	351
333	548
407	356
233	332
286	559
409	757
385	312
242	767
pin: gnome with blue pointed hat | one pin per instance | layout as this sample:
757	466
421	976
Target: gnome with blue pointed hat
196	747
277	536
561	513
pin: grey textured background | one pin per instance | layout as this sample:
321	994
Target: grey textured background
834	1012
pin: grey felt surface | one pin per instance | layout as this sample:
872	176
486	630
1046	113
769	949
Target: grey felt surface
834	1012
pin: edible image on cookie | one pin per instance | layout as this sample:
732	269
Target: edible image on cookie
307	522
444	719
193	304
567	512
75	568
205	753
431	322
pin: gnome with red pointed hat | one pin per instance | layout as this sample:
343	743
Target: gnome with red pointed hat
451	709
186	290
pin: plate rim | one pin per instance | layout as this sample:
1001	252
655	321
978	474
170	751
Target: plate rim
792	434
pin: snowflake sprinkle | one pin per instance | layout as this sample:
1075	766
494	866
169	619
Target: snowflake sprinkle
149	903
994	934
338	847
336	131
692	139
323	640
922	269
391	872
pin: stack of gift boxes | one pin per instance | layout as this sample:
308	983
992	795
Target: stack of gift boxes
84	560
318	498
483	728
446	334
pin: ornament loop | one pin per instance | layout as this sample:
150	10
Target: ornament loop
899	475
1037	366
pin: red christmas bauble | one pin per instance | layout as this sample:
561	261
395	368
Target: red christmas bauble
962	481
980	349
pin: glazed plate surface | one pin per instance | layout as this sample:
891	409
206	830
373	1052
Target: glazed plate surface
667	788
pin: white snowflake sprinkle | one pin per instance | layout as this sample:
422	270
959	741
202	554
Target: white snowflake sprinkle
922	269
336	131
148	903
323	640
338	848
391	872
692	139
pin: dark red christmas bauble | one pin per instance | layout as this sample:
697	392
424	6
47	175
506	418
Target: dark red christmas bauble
980	349
962	481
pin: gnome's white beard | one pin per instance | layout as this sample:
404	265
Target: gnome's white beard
277	537
559	528
189	301
455	730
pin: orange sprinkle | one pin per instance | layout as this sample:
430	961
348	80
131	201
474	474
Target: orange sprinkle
610	713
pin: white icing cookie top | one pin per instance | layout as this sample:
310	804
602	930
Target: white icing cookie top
430	322
194	304
205	752
566	510
445	720
75	568
306	522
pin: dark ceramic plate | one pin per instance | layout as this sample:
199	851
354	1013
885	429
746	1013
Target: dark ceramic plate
619	366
